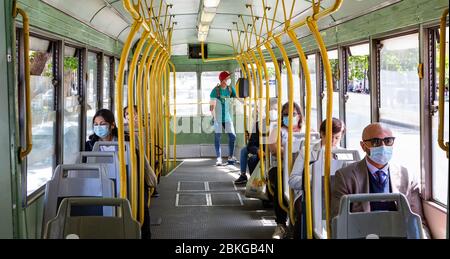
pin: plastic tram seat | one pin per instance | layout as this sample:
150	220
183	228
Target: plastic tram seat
110	160
78	180
340	159
402	223
120	226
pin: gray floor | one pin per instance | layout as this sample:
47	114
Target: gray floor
200	201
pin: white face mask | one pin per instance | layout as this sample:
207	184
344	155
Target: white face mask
228	82
273	115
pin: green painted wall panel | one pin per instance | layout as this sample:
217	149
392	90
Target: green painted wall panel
48	18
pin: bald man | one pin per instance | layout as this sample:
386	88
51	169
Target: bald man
375	174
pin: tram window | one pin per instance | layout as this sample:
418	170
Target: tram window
209	80
72	107
400	97
334	62
42	157
106	83
357	106
187	94
296	77
91	92
440	161
311	60
272	79
284	83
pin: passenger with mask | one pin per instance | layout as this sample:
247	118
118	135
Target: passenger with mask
376	174
296	177
252	147
297	123
105	130
220	109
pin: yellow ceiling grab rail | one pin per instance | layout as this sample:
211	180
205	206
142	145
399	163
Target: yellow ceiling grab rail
291	27
442	45
26	44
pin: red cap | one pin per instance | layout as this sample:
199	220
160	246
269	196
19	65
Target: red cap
223	75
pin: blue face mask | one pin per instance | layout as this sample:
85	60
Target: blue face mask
286	121
101	130
381	155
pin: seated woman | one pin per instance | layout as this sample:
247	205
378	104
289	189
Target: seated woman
296	177
105	130
281	215
253	145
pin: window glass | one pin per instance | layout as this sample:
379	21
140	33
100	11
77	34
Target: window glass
91	94
41	160
311	60
106	83
358	92
272	79
296	79
209	81
440	161
187	94
334	63
72	107
400	98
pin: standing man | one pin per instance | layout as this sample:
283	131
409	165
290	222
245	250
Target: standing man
220	109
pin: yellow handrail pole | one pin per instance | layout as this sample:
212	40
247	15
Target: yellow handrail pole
26	44
141	96
119	107
153	109
290	126
306	167
167	115
252	91
161	110
157	97
149	84
267	78
213	59
247	110
442	45
147	96
174	112
312	24
133	173
260	97
280	95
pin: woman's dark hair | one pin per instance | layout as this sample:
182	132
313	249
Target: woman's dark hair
285	111
108	116
125	110
337	126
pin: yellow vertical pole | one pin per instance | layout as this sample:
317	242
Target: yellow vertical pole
290	126
260	126
306	167
174	112
133	173
119	107
148	84
312	24
442	45
140	96
280	95
154	113
267	78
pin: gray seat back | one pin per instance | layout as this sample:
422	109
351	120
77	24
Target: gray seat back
340	159
402	223
110	160
297	143
77	180
120	226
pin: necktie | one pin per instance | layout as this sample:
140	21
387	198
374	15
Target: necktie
381	177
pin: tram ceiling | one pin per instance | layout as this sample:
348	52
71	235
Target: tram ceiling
111	18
